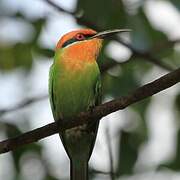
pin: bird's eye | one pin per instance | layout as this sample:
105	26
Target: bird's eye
80	37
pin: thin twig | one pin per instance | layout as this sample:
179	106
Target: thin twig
146	56
59	8
164	45
98	112
22	104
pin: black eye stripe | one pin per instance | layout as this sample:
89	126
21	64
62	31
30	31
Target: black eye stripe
72	40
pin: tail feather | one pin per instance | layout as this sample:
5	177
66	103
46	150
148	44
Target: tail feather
79	170
79	142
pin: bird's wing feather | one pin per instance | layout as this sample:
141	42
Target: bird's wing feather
93	126
98	91
51	90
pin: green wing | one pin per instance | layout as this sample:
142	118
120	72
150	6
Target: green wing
98	91
51	90
93	126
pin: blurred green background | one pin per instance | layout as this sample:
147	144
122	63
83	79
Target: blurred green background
141	142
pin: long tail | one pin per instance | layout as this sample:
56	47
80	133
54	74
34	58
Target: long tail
79	170
78	143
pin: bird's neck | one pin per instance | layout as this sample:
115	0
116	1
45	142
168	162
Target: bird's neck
74	61
85	51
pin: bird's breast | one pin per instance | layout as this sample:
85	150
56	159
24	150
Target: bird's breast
74	87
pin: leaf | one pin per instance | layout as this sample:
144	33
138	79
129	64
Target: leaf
122	84
18	55
128	153
50	177
176	3
106	14
12	131
144	35
44	51
38	24
141	108
177	102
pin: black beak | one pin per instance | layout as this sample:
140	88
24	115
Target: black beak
108	33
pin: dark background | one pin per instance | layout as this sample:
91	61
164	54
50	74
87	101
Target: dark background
141	142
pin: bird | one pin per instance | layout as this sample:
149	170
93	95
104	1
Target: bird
75	86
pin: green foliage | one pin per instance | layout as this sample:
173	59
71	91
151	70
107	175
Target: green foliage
120	85
144	36
128	148
106	14
177	103
18	55
18	154
176	3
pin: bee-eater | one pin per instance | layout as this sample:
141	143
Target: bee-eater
75	86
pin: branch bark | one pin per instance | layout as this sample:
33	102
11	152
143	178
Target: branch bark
98	112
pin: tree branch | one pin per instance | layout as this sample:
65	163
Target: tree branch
145	55
98	112
165	44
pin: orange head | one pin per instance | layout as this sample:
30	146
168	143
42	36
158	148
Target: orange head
83	44
77	45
